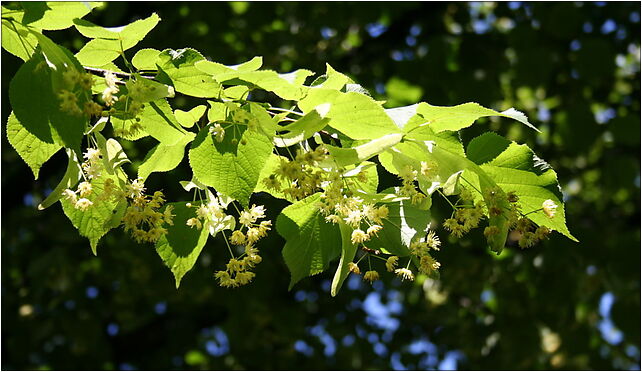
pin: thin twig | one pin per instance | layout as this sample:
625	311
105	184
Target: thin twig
101	72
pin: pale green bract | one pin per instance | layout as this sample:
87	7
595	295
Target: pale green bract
237	147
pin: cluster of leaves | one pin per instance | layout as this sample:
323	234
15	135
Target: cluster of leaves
318	144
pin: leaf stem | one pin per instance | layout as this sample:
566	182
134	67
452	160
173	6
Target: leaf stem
449	202
286	110
228	244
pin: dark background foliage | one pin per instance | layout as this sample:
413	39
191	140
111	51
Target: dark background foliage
574	68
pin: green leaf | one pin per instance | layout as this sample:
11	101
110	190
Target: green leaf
233	166
188	118
16	38
36	105
269	169
348	251
57	55
182	245
31	149
114	155
453	118
164	158
417	130
300	130
55	15
69	179
145	90
450	163
217	112
109	43
353	114
405	221
310	242
31	98
331	79
486	147
516	168
236	93
287	86
372	177
179	70
159	121
145	59
97	220
215	68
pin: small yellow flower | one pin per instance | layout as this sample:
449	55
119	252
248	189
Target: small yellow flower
225	280
391	263
418	248
358	236
194	222
250	250
253	235
218	131
490	231
380	214
92	109
371	276
429	169
84	188
234	265
264	227
433	241
92	154
168	217
244	277
252	260
405	274
237	238
427	264
136	188
549	207
354	268
373	230
542	232
257	212
83	204
246	219
354	218
333	218
527	240
70	195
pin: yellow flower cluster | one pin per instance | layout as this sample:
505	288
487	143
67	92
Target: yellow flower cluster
464	220
111	89
68	98
549	208
420	249
142	218
529	234
238	272
371	276
300	177
408	177
217	131
134	128
93	164
354	212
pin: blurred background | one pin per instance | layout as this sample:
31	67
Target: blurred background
573	68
